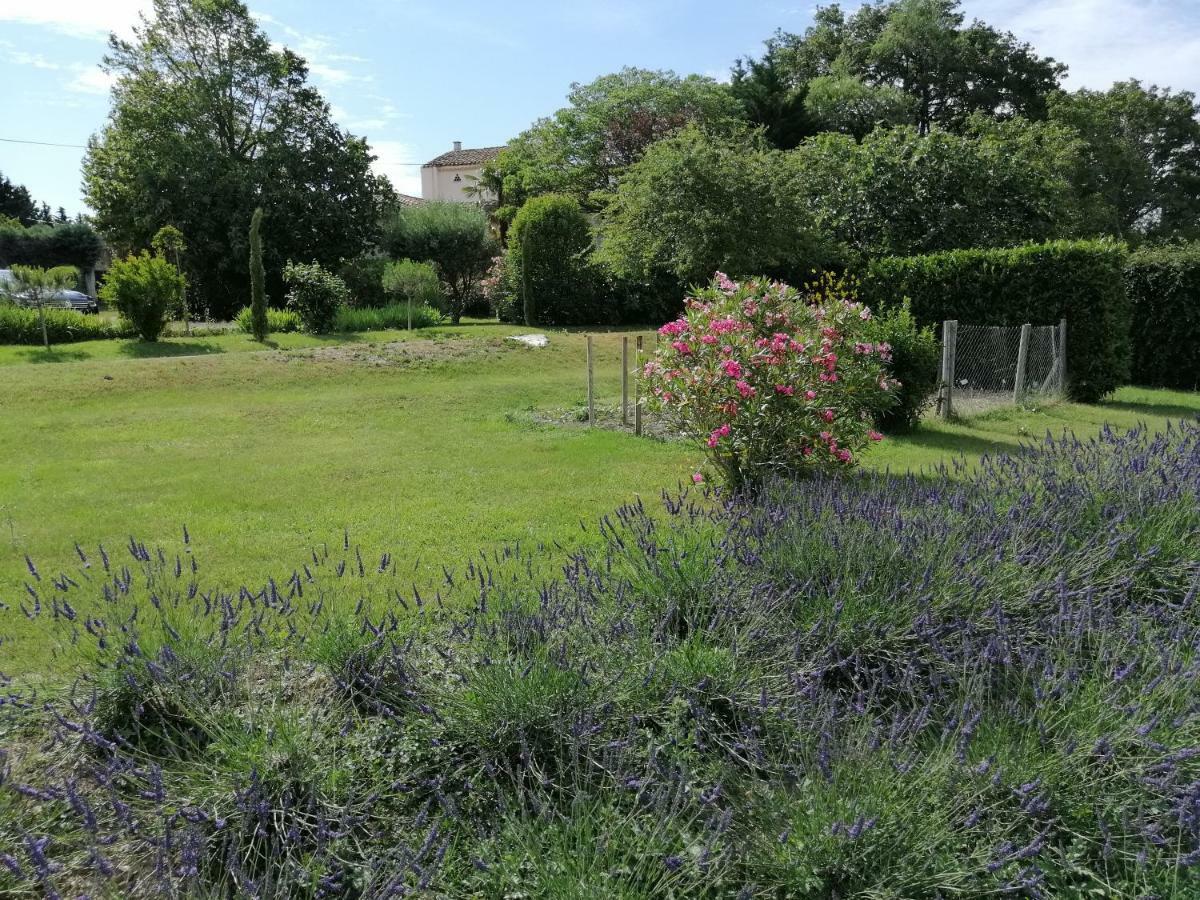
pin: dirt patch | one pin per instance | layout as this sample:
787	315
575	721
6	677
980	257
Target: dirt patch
607	418
401	354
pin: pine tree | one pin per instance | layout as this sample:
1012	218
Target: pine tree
258	277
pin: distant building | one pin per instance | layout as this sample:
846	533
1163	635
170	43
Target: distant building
453	176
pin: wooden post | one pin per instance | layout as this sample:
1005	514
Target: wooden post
591	386
1022	360
410	312
637	390
625	380
949	346
1062	356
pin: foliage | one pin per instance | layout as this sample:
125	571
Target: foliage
49	245
1039	284
315	294
19	325
697	203
981	710
279	321
1163	284
946	70
770	382
392	316
36	287
607	126
1142	158
900	192
915	364
16	202
209	121
549	253
364	279
455	238
146	290
258	278
412	281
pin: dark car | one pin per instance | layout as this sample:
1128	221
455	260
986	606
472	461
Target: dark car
76	300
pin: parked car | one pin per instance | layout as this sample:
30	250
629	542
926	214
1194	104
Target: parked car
76	300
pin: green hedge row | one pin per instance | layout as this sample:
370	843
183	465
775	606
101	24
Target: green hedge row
1080	281
49	245
19	325
1163	284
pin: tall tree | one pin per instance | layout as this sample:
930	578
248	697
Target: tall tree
605	128
948	69
1142	158
258	277
208	122
16	203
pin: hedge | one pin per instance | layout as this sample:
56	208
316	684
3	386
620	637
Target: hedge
1163	284
49	245
1080	281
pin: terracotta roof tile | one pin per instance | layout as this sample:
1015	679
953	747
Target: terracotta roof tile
467	157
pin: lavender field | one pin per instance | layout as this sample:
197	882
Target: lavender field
969	683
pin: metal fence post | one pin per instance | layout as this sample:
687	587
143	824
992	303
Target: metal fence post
949	347
1022	361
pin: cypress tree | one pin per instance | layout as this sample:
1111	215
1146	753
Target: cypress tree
258	277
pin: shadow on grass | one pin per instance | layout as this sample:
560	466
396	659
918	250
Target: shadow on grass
957	443
151	350
53	355
1167	410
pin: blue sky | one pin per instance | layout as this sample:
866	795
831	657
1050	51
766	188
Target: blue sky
415	75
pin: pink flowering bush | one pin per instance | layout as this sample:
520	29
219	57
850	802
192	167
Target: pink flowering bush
772	381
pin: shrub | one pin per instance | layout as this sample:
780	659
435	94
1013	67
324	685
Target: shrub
258	278
315	294
1080	281
395	315
768	383
146	290
915	364
455	237
1163	284
549	245
415	283
364	276
279	321
19	325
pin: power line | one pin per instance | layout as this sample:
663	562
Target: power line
84	147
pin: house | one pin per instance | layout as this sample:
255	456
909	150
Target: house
453	176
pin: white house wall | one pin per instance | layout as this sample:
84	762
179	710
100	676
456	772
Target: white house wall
438	183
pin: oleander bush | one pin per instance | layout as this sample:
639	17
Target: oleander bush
1164	291
970	684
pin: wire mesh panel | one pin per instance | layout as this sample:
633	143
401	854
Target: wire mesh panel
989	369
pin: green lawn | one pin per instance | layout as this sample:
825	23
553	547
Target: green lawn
425	449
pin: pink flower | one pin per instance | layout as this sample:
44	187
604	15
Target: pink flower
732	368
709	339
697	478
874	435
810	395
745	389
844	455
682	347
679	326
786	389
827	415
724	283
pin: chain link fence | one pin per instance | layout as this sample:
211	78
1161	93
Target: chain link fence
985	366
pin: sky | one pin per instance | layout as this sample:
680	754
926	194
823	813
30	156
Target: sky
415	75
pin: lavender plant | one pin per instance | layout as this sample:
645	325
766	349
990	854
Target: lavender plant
971	682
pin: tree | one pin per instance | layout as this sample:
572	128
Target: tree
36	287
923	49
697	203
168	242
258	291
1142	161
548	254
208	122
606	127
452	236
16	203
901	192
848	104
414	282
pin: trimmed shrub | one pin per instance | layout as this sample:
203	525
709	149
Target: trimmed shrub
19	325
381	318
279	321
1080	281
1163	284
49	245
548	256
315	294
363	276
414	283
915	363
771	384
146	290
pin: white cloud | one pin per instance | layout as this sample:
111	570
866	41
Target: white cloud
78	18
1103	41
90	80
391	154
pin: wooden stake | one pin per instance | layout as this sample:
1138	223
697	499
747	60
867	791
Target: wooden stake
625	380
591	387
1022	360
949	346
1062	356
